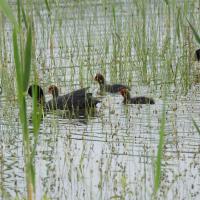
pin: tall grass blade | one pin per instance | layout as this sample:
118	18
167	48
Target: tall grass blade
22	113
19	13
36	119
17	59
7	11
159	153
196	126
22	59
22	76
24	17
178	23
167	2
196	35
47	5
27	58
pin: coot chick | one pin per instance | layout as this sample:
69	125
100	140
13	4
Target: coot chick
112	88
134	100
197	54
53	90
76	100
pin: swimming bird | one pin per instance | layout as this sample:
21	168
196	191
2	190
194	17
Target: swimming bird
73	101
135	100
104	87
78	99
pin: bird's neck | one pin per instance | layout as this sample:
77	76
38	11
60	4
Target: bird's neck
102	86
55	94
101	82
127	97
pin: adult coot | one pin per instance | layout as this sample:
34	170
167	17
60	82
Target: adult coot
78	99
197	54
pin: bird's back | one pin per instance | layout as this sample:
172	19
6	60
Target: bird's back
142	100
78	99
114	88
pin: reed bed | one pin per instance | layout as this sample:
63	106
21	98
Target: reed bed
123	152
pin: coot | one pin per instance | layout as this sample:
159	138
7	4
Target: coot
135	100
112	88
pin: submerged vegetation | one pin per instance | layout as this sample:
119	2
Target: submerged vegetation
121	151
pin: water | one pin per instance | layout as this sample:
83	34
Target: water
109	155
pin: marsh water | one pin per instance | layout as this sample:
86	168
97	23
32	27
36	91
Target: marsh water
110	155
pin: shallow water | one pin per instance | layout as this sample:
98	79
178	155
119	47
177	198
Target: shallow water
110	155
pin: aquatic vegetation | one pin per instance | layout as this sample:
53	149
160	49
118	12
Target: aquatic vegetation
118	151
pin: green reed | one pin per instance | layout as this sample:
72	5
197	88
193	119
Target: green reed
22	76
194	31
22	59
8	12
196	125
158	163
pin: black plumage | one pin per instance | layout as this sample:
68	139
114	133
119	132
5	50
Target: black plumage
79	99
197	54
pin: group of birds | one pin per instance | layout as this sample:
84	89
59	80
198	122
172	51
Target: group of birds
81	99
